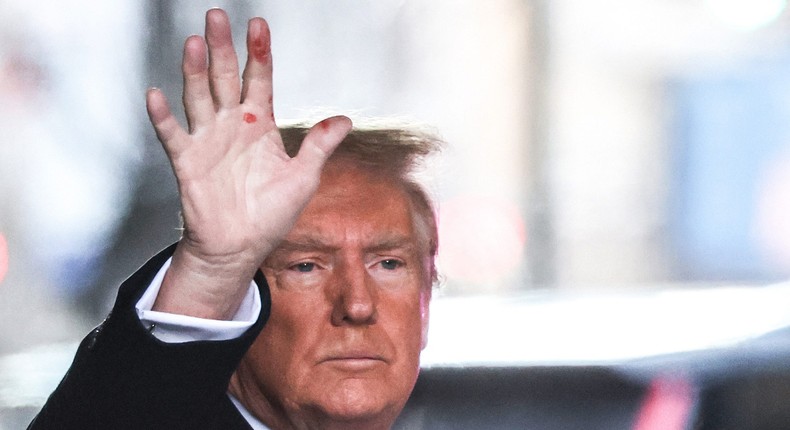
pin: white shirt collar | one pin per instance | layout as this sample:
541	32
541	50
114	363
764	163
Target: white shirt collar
255	423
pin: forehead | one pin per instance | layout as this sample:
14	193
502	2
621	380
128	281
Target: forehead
353	203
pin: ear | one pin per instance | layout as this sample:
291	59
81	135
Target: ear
425	308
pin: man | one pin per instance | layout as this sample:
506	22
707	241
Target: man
340	242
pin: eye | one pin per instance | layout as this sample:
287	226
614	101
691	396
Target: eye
303	267
391	264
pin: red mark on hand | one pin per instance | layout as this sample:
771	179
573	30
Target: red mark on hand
249	118
259	41
259	50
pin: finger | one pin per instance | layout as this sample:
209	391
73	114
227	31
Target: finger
165	124
321	141
257	77
198	104
223	65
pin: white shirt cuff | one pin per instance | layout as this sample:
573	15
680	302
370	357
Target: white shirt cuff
175	328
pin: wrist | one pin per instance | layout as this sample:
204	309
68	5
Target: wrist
204	288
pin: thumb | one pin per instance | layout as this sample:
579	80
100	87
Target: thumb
321	141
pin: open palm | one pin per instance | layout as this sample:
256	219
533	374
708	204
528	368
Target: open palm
240	192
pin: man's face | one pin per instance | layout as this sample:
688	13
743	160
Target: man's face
350	287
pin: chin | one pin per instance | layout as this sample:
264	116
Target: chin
362	404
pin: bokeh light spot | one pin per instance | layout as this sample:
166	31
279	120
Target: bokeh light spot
481	239
746	15
772	218
3	257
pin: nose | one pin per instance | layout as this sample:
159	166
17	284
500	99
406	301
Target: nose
354	301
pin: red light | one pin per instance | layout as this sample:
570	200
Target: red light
667	405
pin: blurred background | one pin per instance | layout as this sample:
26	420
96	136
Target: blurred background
613	204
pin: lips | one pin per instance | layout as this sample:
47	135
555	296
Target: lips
356	360
354	356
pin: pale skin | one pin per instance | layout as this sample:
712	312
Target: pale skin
349	269
240	192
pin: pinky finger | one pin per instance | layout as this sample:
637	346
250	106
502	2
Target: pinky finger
165	124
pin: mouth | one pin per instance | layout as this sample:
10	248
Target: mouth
354	361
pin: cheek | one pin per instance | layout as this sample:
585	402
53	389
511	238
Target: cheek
288	339
406	319
408	342
295	316
407	309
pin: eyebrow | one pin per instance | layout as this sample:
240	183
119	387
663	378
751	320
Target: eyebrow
312	244
388	244
303	245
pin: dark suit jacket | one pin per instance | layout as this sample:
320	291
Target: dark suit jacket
123	377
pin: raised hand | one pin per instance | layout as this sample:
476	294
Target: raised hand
240	192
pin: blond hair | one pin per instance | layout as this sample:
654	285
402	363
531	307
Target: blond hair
395	151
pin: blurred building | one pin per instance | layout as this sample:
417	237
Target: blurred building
610	145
